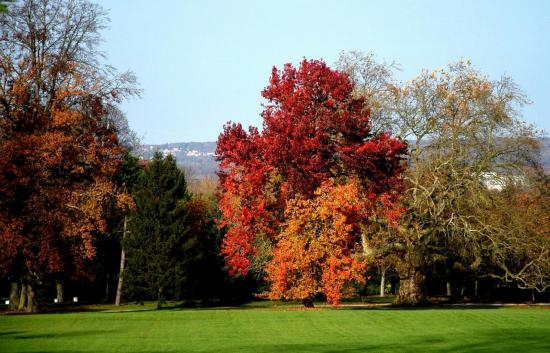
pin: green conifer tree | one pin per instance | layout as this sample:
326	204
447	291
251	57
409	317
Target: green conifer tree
153	243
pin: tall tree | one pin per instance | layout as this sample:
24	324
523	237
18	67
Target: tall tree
467	135
58	149
125	180
199	268
156	229
314	130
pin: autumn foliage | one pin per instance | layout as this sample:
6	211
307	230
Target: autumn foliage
316	251
56	166
314	130
59	142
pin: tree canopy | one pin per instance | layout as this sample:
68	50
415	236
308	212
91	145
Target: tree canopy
314	130
59	149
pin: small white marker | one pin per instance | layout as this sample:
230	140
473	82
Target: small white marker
75	299
7	302
55	300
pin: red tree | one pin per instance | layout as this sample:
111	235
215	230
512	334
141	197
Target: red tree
314	129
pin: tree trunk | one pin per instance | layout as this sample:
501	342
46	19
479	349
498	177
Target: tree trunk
449	292
475	288
383	282
411	289
159	298
32	307
532	295
14	296
59	289
122	264
22	297
106	297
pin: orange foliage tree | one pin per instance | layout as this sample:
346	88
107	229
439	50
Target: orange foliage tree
59	147
56	174
317	250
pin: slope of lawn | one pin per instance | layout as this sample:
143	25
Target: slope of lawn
281	329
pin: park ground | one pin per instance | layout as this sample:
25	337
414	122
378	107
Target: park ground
276	327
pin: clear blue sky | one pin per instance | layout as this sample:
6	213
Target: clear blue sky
202	63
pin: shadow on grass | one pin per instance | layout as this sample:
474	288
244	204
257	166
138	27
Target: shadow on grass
9	333
61	309
418	307
68	334
512	340
521	340
269	305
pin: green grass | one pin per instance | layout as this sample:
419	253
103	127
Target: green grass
280	328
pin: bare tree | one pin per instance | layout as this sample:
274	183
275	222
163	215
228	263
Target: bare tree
465	132
54	44
374	81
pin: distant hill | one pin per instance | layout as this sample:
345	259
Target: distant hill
199	160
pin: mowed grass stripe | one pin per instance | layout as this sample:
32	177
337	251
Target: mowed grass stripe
258	330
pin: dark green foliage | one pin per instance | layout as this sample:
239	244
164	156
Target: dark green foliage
108	245
199	270
172	249
156	228
128	172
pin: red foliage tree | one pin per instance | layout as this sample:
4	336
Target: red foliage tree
314	129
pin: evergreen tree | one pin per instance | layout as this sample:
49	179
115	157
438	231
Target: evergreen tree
200	267
153	243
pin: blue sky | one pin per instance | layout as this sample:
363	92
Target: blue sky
202	63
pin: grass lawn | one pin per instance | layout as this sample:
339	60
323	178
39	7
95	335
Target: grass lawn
281	329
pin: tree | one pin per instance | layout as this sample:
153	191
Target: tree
155	230
465	131
519	233
199	268
125	180
53	193
58	150
317	250
314	130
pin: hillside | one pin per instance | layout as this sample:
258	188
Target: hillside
198	158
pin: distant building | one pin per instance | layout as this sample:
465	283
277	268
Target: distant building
497	182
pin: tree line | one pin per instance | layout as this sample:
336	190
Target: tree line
73	200
437	180
434	185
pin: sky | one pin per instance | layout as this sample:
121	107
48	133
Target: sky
203	63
